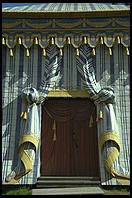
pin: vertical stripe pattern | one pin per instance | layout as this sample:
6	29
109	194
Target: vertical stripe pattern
20	71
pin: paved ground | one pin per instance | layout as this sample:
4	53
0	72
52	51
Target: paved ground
68	191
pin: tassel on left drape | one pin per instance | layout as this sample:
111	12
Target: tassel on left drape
54	129
24	115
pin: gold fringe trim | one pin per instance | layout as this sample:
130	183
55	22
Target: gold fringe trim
24	115
110	51
93	51
27	52
68	40
101	40
60	52
36	41
85	40
44	52
107	136
52	41
127	51
25	158
19	41
11	52
77	52
118	40
3	41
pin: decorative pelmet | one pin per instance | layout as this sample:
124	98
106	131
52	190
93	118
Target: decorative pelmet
60	40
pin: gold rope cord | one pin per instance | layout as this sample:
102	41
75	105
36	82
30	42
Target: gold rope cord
24	156
107	136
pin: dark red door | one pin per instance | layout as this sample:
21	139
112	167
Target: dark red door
75	150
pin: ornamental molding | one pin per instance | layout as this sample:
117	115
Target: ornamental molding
75	39
66	23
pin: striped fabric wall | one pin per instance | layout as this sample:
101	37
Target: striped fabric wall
21	71
64	7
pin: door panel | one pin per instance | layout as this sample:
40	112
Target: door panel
75	151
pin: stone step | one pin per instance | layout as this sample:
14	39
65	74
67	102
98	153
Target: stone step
68	178
68	191
43	182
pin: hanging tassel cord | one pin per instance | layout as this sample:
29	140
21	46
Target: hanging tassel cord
54	124
54	129
91	118
99	116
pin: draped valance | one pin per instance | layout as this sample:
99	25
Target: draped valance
60	40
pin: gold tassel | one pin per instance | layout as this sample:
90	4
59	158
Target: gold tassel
127	51
23	115
3	41
36	41
93	51
91	121
52	41
11	52
85	40
68	40
44	52
19	41
77	52
54	137
54	125
118	40
110	51
102	42
27	52
60	52
100	115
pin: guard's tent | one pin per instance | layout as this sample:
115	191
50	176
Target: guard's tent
65	92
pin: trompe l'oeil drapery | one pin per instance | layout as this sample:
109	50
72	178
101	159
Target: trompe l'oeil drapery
31	115
104	99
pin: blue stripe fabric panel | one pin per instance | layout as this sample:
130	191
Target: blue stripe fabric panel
66	7
20	71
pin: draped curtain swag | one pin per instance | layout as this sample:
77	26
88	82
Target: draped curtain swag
103	99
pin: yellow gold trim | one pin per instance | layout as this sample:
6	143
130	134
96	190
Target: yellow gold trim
60	52
3	41
110	51
77	52
36	41
11	52
19	41
127	51
27	52
101	40
25	158
44	52
68	40
69	93
118	40
107	136
93	51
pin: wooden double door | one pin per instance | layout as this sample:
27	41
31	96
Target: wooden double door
69	145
